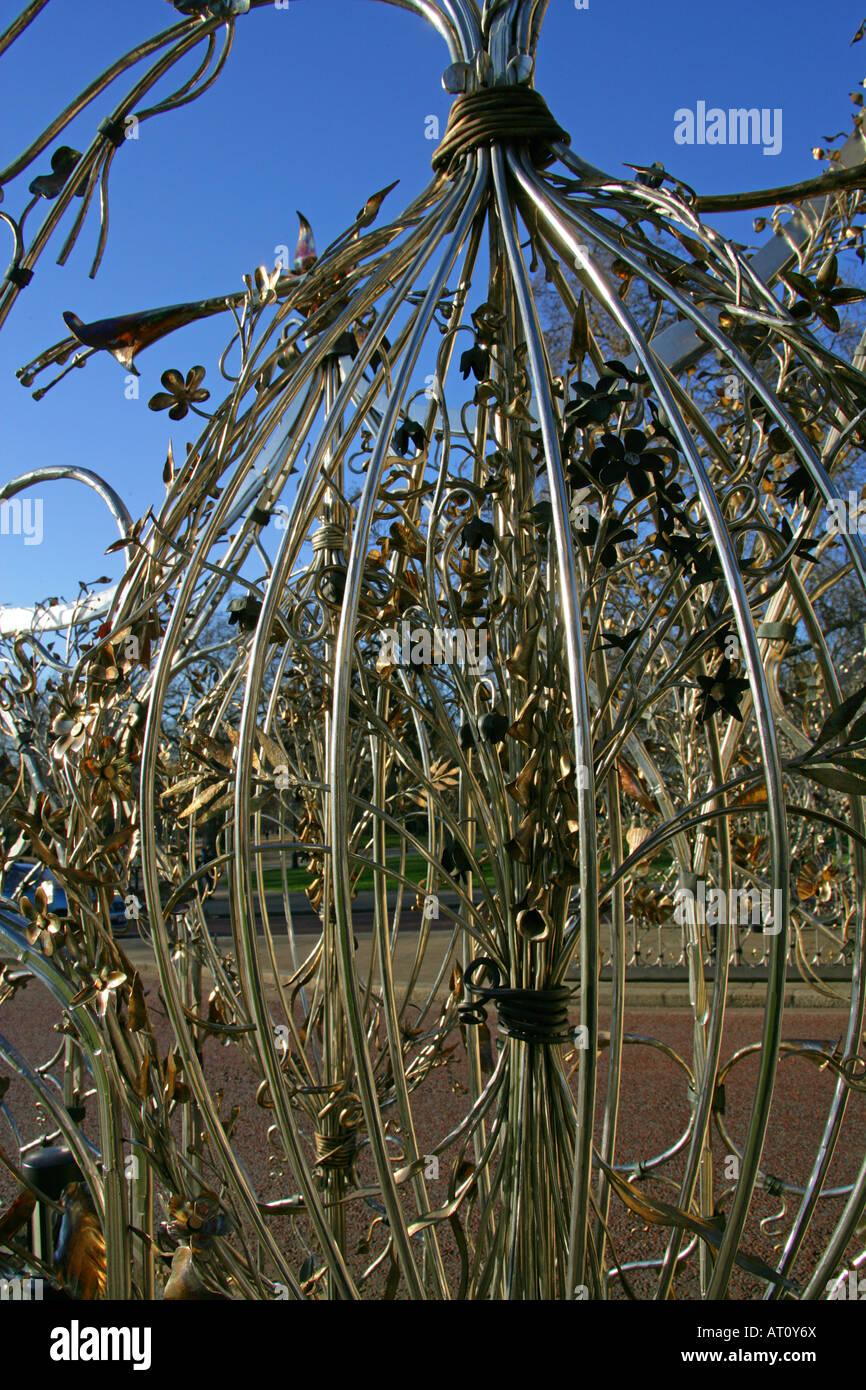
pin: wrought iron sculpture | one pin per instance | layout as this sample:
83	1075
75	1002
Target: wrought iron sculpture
400	467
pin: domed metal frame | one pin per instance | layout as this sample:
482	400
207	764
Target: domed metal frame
309	728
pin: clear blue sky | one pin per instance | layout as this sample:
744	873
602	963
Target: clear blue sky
319	106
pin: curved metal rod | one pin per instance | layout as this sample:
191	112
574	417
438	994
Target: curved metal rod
142	50
337	750
17	240
444	24
161	676
764	718
18	25
90	160
107	1187
581	724
57	472
835	1118
58	617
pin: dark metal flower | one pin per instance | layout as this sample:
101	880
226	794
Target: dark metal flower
721	691
493	726
454	859
476	533
586	532
409	432
218	9
798	484
245	612
593	405
477	360
623	644
63	161
823	294
706	567
689	550
626	458
667	496
179	395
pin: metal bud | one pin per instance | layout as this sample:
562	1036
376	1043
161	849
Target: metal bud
493	727
519	847
533	924
520	663
524	783
523	728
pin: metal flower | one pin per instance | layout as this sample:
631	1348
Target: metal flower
244	612
798	485
617	459
621	642
70	728
477	360
594	404
262	284
219	9
721	691
476	533
409	433
43	927
100	989
107	768
63	161
821	296
586	532
197	1221
180	395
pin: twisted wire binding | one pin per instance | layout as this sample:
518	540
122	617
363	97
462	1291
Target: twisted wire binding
529	1015
498	116
329	537
336	1150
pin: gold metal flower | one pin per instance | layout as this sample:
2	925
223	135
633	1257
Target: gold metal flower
43	927
180	395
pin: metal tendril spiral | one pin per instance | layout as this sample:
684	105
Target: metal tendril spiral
402	456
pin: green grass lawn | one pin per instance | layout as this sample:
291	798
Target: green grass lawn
415	869
297	879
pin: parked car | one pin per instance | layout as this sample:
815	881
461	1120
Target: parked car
120	923
25	877
22	877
